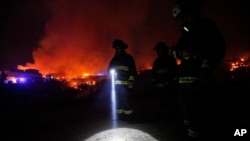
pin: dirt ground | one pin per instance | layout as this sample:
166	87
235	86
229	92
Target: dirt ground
79	121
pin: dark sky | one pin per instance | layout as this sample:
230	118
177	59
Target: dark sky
53	33
21	27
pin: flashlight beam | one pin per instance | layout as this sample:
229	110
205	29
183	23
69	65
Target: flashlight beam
113	98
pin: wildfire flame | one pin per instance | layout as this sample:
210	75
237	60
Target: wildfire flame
239	63
78	38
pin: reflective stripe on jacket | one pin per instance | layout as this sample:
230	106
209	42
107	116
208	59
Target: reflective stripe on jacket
124	68
126	112
120	82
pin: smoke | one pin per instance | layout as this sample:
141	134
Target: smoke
79	35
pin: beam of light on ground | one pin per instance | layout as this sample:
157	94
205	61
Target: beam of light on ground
113	99
121	134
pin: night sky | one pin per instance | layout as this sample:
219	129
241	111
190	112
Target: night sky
62	35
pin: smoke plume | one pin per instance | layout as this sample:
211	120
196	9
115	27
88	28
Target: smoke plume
79	36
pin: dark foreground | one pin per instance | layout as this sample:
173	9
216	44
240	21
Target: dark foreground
78	120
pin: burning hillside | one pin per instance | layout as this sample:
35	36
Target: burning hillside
78	38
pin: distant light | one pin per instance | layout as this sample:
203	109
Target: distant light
22	80
185	28
121	134
12	79
178	61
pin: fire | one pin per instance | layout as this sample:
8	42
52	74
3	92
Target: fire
85	75
78	82
239	63
77	40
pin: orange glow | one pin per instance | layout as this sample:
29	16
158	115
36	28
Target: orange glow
20	67
178	61
74	84
238	63
90	82
148	67
77	42
85	75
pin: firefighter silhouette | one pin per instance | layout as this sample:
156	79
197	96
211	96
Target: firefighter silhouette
125	68
200	49
164	72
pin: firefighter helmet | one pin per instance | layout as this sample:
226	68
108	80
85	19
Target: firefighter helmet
161	46
119	44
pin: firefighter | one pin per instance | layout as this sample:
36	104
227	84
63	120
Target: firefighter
125	68
200	48
163	78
